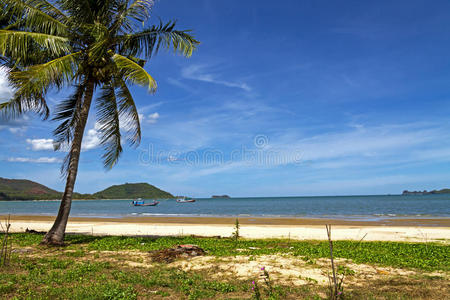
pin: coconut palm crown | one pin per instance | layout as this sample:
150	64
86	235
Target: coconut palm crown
92	47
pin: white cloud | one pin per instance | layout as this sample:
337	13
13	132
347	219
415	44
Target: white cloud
44	160
5	90
91	140
198	72
40	144
153	118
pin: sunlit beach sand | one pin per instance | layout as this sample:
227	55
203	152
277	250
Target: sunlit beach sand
410	230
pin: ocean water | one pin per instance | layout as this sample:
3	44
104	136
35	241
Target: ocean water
339	207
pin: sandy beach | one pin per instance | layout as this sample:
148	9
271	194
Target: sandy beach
408	230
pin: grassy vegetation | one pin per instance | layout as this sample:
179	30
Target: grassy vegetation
429	257
91	267
44	278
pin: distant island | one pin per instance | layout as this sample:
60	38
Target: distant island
425	192
220	196
132	191
21	189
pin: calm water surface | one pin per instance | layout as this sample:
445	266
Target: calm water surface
342	207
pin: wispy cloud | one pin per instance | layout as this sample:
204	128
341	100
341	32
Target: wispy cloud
181	85
152	118
362	148
149	107
42	160
15	126
381	144
201	73
18	130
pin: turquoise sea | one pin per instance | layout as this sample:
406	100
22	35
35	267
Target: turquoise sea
336	207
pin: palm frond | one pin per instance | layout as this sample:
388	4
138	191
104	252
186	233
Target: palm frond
68	112
109	125
53	73
30	86
148	42
139	10
129	115
31	15
18	105
80	11
48	8
133	72
16	44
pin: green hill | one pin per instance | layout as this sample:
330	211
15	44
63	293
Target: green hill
443	191
20	189
132	191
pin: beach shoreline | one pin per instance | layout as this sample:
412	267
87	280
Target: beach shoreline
246	220
405	230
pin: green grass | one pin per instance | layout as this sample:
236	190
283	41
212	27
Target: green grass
74	272
429	256
44	278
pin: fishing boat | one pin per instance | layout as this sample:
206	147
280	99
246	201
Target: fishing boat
185	200
142	203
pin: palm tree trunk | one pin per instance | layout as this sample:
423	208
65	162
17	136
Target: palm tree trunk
56	234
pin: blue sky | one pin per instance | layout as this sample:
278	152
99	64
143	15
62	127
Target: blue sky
282	98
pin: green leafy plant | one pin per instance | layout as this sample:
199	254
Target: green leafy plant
335	283
392	254
6	246
256	291
235	235
268	288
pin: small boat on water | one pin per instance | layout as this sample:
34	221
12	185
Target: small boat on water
185	200
142	203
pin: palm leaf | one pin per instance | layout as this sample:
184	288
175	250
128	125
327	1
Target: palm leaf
31	86
68	112
80	11
133	72
108	120
55	72
18	105
129	115
48	8
16	44
148	42
32	16
139	10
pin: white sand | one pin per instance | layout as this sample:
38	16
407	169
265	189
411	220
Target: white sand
299	232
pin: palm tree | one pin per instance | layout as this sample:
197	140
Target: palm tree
93	47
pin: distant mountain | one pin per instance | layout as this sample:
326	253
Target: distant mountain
21	189
410	193
132	191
